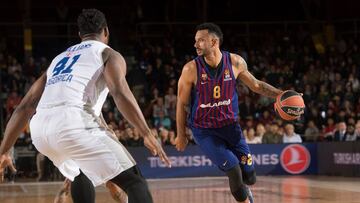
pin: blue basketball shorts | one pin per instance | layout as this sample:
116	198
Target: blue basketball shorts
225	147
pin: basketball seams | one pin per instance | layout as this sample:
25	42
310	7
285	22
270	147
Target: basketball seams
295	101
282	106
289	93
283	114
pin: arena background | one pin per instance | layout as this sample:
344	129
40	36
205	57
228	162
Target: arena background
311	46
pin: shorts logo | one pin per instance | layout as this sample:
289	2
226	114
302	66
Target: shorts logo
224	164
249	159
246	160
295	159
243	160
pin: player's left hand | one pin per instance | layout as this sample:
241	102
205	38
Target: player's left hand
155	148
6	161
181	143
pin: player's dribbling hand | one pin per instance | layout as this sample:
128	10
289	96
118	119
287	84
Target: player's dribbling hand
6	161
181	143
155	148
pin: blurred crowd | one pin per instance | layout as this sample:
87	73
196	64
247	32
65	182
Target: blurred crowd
329	82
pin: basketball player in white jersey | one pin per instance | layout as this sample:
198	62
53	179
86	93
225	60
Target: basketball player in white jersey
65	105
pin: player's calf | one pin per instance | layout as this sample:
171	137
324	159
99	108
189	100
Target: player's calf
135	186
116	192
237	187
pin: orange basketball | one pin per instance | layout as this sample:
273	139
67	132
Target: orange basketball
289	105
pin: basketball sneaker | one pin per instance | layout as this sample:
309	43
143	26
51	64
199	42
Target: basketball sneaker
250	195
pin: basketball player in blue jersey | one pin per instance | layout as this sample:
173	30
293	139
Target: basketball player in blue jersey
66	125
208	85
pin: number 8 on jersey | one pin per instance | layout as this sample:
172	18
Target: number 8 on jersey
217	93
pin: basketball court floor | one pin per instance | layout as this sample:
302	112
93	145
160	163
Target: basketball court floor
274	189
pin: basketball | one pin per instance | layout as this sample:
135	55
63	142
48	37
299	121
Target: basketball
289	105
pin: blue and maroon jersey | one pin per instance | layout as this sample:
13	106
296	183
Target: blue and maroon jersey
214	100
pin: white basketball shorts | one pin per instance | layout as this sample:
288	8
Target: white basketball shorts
75	140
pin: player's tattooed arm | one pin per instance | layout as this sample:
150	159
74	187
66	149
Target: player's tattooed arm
254	84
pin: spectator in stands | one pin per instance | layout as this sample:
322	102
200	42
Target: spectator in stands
266	117
290	136
112	125
340	133
272	136
120	134
323	96
260	131
312	132
329	129
159	108
162	121
251	138
357	130
155	94
14	66
314	115
350	133
246	108
135	138
164	136
263	101
172	137
354	83
30	67
189	135
249	122
128	133
170	103
357	107
11	103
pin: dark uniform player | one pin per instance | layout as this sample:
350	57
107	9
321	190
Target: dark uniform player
210	81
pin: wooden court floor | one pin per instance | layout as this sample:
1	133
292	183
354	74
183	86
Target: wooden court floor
268	189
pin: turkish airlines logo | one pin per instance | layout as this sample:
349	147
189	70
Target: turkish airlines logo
295	159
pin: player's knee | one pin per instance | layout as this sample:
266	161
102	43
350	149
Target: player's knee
250	178
128	178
